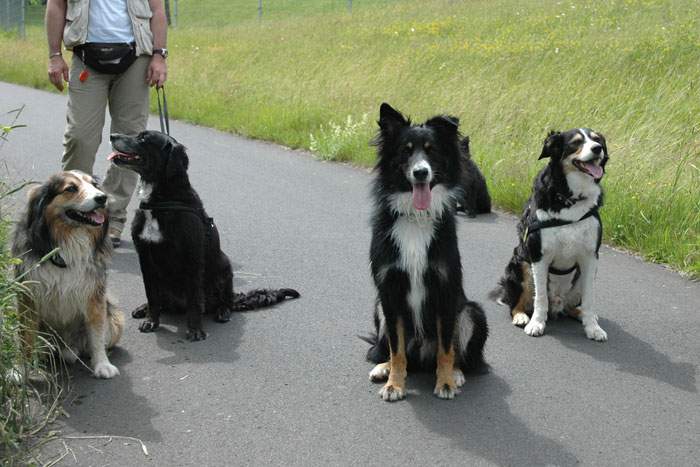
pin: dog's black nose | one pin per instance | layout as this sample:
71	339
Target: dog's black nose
596	149
101	199
420	174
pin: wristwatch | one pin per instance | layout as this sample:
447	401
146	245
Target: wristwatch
162	52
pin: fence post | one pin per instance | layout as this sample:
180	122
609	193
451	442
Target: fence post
260	9
22	31
175	14
350	6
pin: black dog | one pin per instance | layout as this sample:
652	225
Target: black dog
181	260
475	198
422	317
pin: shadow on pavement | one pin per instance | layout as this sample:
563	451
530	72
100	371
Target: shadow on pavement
479	420
91	395
629	353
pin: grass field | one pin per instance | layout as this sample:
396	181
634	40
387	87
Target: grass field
311	75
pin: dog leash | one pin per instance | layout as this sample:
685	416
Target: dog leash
163	111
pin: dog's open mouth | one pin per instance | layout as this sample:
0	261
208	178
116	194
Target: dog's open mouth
421	196
123	157
95	217
590	168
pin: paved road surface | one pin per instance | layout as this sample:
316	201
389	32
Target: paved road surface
289	385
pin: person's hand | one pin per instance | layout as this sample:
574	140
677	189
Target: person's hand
58	71
157	71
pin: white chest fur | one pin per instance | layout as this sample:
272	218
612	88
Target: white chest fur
151	229
413	237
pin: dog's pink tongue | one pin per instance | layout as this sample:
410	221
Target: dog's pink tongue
112	155
595	170
96	217
421	196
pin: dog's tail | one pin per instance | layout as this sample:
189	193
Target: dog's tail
497	294
379	348
260	298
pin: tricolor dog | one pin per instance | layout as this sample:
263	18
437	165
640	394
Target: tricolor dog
554	265
423	320
69	291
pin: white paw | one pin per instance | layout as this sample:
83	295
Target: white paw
520	319
445	392
596	333
459	378
391	393
379	373
534	328
106	370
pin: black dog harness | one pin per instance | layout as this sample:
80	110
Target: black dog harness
171	206
540	225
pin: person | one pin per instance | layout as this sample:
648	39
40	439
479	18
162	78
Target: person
138	27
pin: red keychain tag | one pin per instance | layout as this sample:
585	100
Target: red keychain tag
83	76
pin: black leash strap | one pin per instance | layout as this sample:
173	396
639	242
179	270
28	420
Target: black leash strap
163	112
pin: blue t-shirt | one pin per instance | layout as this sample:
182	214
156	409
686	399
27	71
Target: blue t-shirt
109	22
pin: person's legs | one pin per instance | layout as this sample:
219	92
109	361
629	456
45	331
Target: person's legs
85	117
128	107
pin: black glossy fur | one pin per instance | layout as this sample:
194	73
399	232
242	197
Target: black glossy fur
185	271
475	198
445	299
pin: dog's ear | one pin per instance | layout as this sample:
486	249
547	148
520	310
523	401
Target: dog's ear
445	124
391	120
464	146
38	233
176	168
553	145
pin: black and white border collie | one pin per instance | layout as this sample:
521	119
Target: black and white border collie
554	265
422	317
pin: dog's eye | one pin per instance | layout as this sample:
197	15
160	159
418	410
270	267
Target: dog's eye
71	189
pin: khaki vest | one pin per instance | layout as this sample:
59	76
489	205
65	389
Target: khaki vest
76	28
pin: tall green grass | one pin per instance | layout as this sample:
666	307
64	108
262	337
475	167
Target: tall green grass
31	385
511	70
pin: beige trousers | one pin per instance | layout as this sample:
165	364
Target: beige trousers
127	97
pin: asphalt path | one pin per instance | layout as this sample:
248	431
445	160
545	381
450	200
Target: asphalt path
289	385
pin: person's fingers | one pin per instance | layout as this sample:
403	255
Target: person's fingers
65	73
149	75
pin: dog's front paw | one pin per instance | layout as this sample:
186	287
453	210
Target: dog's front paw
534	328
106	370
596	333
459	378
194	335
392	392
140	312
379	373
223	316
148	326
445	390
520	319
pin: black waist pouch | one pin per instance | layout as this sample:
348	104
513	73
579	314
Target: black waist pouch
112	59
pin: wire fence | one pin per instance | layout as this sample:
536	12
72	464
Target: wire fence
16	15
12	16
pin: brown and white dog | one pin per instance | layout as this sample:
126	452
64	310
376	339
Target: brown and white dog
68	291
